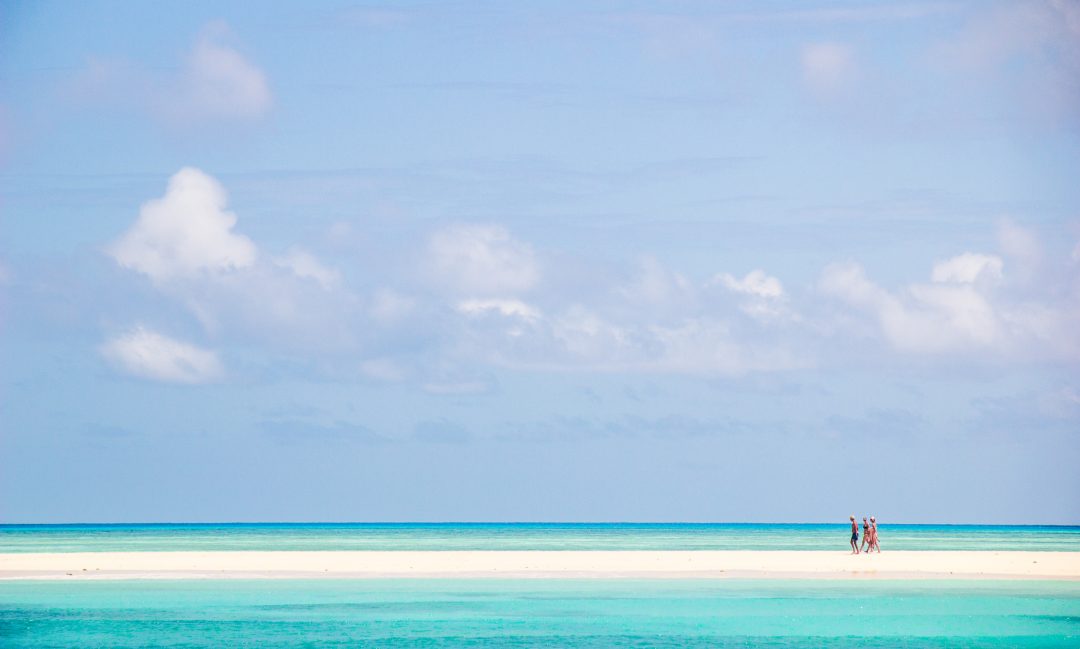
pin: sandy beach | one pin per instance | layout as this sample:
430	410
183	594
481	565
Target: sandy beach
542	564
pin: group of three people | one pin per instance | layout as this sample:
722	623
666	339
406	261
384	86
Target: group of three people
870	541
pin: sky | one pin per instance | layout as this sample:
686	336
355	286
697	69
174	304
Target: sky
566	261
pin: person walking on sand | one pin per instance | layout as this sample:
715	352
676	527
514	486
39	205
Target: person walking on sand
866	545
873	535
854	535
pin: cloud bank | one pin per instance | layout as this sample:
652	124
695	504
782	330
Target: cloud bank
487	299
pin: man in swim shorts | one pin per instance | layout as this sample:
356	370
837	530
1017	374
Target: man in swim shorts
854	535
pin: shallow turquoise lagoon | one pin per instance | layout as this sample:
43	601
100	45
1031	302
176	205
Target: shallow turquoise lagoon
539	613
523	536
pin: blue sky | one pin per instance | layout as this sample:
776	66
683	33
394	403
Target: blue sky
560	261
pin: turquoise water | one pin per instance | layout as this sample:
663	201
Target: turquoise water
522	536
539	613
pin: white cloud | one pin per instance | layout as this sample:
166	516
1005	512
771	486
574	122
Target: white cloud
944	317
657	286
517	317
764	297
218	81
481	260
654	323
756	283
924	318
508	308
1019	243
214	82
967	269
971	307
185	233
186	243
828	67
582	339
305	265
151	355
849	282
588	337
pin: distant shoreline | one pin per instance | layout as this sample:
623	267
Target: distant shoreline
202	524
347	537
664	564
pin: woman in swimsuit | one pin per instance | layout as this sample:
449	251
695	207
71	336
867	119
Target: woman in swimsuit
866	539
854	535
873	535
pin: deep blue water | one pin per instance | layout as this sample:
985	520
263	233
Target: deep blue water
539	613
523	536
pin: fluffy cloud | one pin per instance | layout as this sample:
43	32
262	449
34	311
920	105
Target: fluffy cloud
828	68
306	265
185	233
512	318
971	305
756	283
508	308
493	309
588	338
148	354
186	242
967	269
764	298
475	259
925	318
655	323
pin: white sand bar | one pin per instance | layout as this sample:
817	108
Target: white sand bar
545	564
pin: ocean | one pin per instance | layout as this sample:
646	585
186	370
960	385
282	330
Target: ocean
539	613
527	613
522	536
